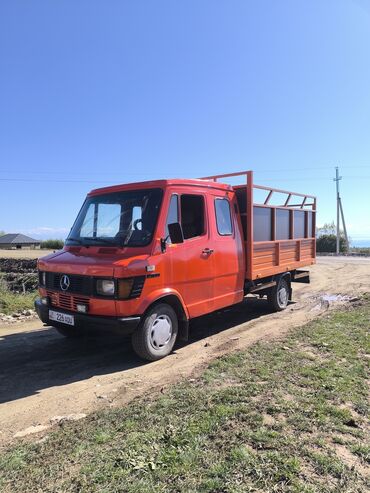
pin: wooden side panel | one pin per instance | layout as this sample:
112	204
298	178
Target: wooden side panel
273	257
264	256
308	249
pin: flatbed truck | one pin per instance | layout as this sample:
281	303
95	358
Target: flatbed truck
145	258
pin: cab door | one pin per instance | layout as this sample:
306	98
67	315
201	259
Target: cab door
190	265
228	251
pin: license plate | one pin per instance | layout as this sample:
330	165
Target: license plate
62	318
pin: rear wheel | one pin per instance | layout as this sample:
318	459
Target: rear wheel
278	296
156	334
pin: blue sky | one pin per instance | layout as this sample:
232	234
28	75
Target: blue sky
94	93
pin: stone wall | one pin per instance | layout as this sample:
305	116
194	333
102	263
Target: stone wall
19	275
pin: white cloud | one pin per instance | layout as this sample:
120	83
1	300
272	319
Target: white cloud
46	232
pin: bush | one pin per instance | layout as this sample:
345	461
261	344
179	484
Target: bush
328	244
52	244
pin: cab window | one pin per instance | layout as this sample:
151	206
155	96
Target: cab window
173	214
192	215
223	217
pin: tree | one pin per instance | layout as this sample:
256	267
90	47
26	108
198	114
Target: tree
328	244
326	229
2	233
326	239
52	244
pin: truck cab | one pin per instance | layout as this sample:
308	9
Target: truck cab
145	258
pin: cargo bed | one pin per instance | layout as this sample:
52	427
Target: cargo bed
277	238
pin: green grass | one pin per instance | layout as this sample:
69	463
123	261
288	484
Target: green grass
12	302
275	418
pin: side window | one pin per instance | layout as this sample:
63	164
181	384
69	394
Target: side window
173	214
223	217
192	215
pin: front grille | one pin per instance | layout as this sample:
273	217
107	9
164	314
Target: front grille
78	284
66	301
79	300
83	285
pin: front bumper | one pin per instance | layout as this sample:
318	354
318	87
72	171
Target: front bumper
95	323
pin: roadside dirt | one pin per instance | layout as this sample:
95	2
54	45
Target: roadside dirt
46	379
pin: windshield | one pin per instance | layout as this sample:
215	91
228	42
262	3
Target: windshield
119	218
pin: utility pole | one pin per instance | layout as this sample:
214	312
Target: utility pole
344	223
340	212
336	179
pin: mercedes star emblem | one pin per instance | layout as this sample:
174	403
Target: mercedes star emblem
64	283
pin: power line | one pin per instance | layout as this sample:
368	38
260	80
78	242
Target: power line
35	180
109	176
104	173
107	181
30	180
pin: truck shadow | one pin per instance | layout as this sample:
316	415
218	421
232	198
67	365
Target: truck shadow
213	323
36	360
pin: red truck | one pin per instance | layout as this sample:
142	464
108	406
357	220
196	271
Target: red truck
145	258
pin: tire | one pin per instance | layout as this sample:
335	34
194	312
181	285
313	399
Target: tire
156	335
69	332
278	296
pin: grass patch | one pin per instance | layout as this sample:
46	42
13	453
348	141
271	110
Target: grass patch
14	302
269	419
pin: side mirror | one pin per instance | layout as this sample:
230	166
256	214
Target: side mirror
175	233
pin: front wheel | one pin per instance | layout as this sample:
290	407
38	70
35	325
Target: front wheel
278	296
156	334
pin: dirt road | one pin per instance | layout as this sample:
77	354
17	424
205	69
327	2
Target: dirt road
43	375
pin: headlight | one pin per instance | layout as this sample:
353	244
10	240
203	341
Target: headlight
105	287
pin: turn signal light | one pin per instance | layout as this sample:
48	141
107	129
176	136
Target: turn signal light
124	288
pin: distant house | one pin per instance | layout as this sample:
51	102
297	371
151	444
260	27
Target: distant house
17	241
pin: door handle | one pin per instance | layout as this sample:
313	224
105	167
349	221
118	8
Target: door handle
207	251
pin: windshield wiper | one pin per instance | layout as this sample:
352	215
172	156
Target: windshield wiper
100	240
77	240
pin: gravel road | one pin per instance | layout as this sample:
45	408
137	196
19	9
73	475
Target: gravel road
43	375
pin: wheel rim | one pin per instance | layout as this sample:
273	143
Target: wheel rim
283	296
161	332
